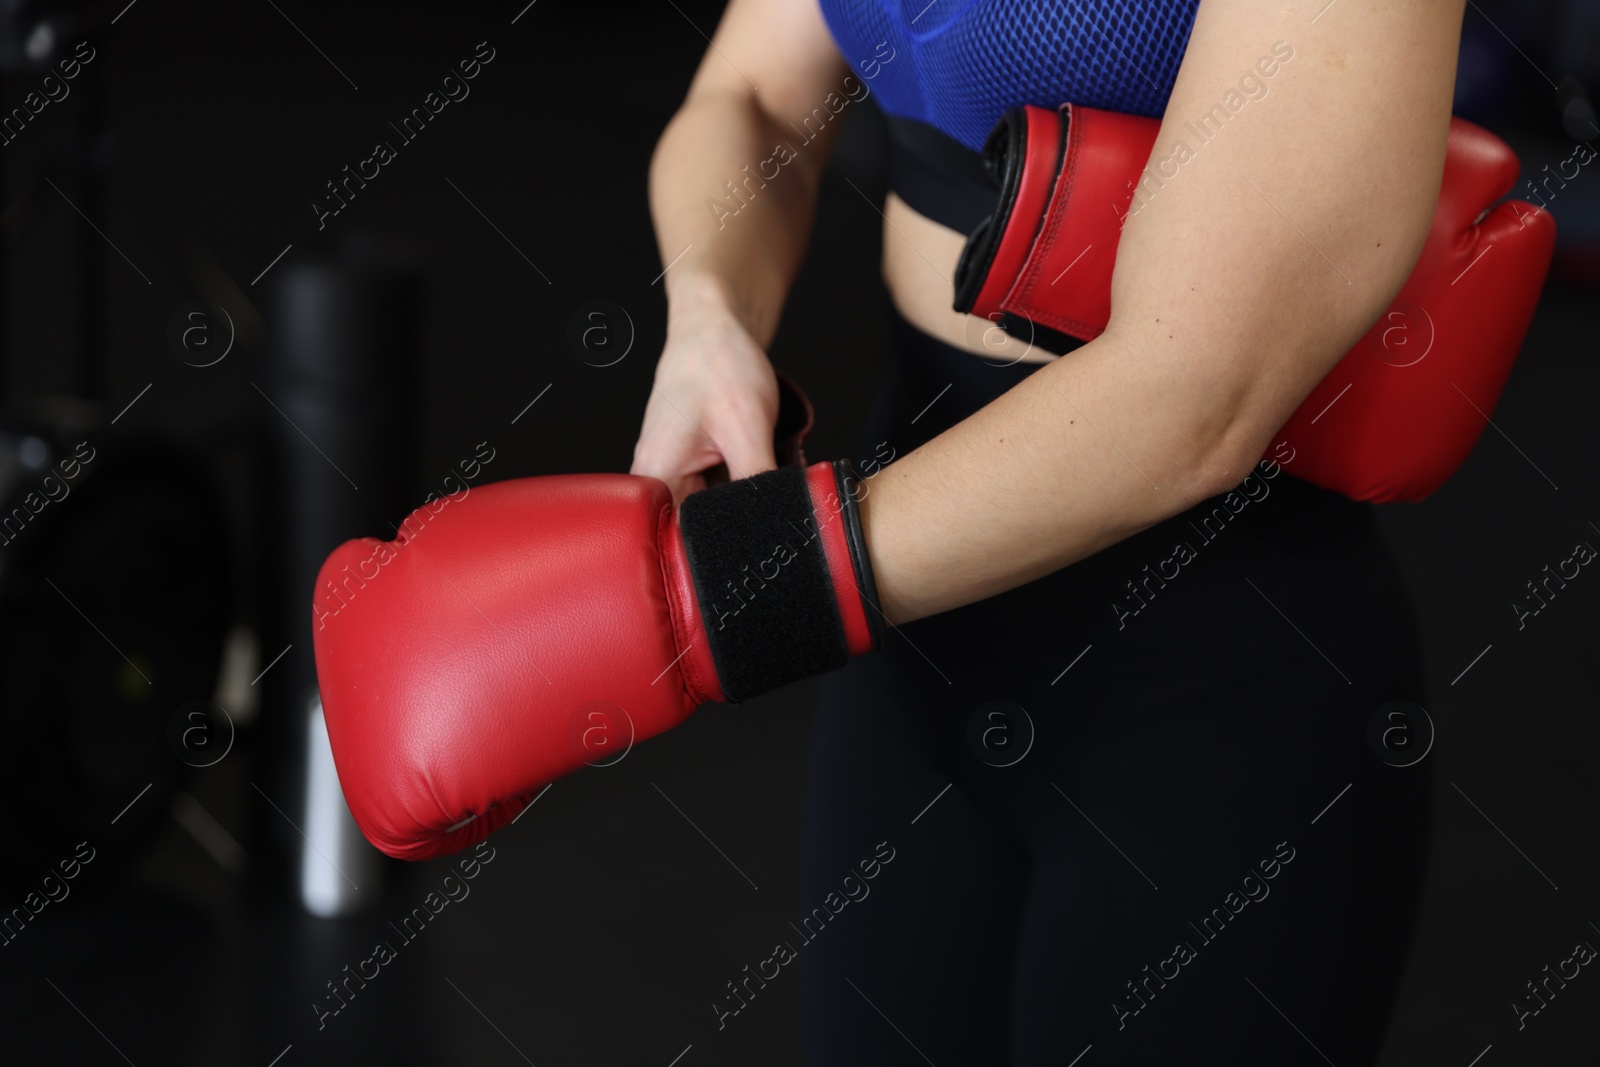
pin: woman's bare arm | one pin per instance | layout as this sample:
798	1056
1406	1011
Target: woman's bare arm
1238	286
762	113
770	67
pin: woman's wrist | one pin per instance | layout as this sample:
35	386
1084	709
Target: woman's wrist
698	297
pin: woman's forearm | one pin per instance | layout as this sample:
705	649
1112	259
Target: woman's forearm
721	188
1077	457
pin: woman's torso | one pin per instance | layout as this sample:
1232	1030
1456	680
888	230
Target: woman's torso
956	66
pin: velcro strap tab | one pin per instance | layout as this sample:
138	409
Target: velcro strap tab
762	581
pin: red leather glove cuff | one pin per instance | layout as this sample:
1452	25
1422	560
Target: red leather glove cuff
1041	265
781	580
1389	422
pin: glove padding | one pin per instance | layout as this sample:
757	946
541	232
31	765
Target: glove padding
1399	413
530	627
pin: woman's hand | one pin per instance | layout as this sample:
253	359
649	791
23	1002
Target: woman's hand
714	402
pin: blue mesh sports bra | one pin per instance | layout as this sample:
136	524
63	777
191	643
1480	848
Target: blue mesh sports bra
957	64
943	72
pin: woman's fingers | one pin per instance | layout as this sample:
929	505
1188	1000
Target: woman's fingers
674	449
747	446
690	458
711	412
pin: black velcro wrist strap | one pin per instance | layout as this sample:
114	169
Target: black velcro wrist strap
761	578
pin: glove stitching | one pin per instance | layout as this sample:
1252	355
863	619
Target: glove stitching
1023	289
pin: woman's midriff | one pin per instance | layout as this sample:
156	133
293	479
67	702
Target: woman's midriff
919	263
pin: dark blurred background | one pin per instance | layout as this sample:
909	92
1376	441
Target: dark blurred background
193	371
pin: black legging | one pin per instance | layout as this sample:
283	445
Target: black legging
1099	891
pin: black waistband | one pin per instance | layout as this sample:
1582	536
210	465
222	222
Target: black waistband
938	176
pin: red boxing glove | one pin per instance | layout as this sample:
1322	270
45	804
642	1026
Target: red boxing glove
507	638
1388	422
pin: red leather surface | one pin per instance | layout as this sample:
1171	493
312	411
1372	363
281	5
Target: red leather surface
457	676
1418	389
828	511
1066	282
697	667
1039	171
1411	399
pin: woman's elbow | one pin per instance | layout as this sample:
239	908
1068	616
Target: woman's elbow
1251	400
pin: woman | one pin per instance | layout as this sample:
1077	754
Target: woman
1171	842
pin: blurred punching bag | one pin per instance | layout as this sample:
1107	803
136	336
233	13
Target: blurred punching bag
342	370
